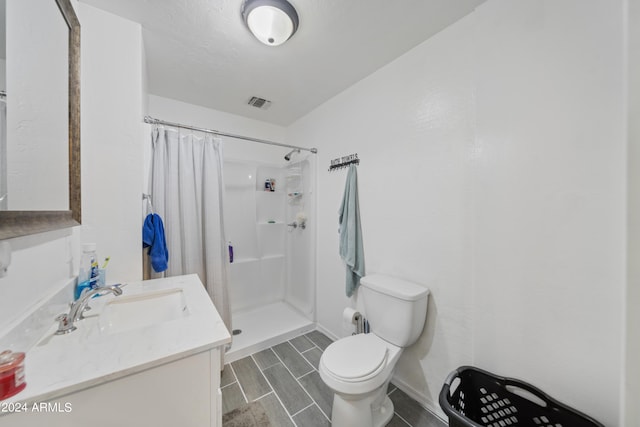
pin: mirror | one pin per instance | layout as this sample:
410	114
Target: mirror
40	156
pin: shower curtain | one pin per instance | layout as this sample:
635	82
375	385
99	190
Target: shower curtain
3	155
187	190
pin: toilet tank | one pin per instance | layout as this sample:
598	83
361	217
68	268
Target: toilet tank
396	309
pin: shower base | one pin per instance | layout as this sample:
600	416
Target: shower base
265	326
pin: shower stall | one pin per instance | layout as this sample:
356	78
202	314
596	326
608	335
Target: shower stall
269	208
270	223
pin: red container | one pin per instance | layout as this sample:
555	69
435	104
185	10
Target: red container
11	374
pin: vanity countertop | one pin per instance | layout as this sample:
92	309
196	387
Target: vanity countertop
63	364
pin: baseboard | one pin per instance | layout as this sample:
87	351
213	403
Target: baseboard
428	404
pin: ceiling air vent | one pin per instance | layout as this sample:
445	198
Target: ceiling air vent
259	103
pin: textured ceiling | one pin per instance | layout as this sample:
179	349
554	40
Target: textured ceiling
200	52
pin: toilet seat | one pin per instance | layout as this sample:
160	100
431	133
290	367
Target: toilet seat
356	358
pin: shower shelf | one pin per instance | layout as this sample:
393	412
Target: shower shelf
294	173
271	223
244	260
250	260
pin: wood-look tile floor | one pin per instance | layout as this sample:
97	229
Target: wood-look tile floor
285	379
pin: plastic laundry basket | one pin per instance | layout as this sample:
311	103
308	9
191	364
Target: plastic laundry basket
472	397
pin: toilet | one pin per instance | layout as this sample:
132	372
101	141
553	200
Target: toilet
358	368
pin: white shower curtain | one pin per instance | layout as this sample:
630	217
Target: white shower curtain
187	190
3	155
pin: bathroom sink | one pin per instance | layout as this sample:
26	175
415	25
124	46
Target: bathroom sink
126	313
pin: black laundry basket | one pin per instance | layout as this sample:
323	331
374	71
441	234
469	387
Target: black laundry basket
481	399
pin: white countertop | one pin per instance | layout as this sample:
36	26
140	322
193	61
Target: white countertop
88	356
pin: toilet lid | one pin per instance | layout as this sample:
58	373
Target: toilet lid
355	357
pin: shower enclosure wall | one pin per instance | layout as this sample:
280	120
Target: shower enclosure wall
272	283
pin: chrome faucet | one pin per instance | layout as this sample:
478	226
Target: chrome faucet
66	321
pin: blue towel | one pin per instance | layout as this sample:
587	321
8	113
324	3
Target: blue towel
153	238
351	249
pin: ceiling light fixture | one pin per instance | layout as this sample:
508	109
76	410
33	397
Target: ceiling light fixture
272	22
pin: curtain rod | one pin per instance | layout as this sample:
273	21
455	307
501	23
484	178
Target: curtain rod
151	120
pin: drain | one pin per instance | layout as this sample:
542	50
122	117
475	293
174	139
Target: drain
236	332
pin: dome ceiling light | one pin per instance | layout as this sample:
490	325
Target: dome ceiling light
272	22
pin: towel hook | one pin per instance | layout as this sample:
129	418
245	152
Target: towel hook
147	197
345	161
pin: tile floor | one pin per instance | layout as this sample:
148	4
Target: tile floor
285	379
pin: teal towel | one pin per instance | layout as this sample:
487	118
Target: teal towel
350	232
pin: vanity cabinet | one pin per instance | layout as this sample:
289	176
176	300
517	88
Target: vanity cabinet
164	374
183	393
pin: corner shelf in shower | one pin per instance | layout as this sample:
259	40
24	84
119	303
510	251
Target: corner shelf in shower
293	174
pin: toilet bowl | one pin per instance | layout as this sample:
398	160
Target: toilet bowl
358	368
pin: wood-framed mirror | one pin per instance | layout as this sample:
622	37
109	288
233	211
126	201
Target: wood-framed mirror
15	223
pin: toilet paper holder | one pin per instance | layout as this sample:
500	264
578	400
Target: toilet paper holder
362	326
354	317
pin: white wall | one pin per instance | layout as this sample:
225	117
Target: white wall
3	74
632	374
549	198
113	137
493	172
111	158
40	266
